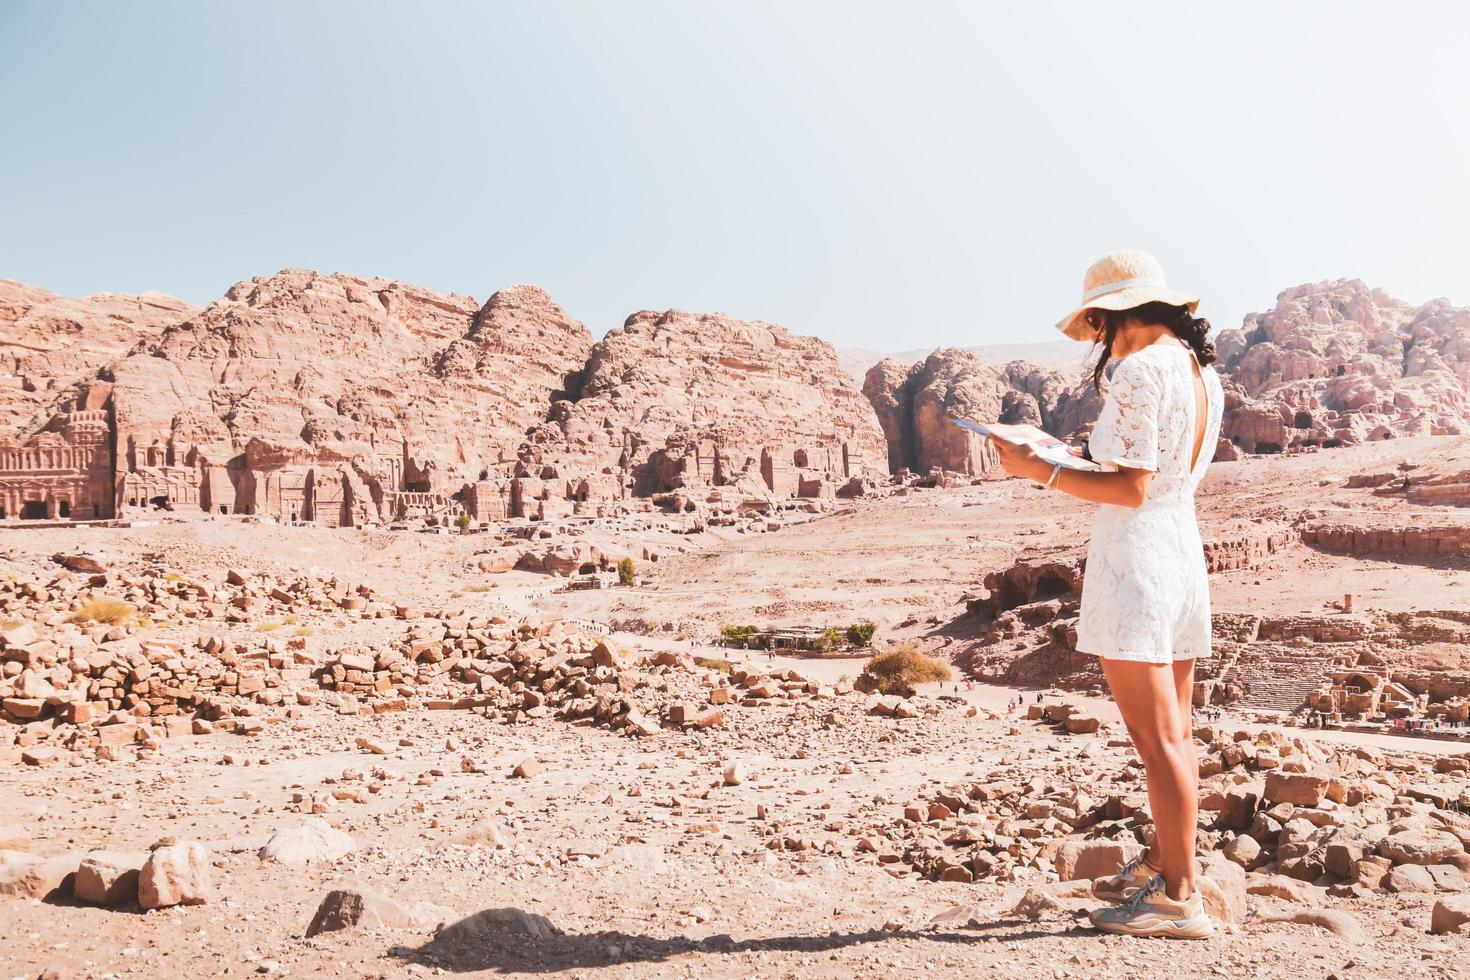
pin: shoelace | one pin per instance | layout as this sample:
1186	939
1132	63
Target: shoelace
1131	866
1155	884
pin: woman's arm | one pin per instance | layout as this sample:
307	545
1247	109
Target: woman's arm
1125	488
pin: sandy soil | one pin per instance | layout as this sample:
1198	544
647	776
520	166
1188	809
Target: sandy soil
636	849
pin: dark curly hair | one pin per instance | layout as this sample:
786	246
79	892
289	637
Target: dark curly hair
1191	329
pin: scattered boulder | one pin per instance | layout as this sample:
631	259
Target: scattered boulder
1341	924
1297	788
1280	886
1243	850
1222	885
490	924
1092	859
312	840
1035	904
176	873
1420	847
109	878
1409	878
27	876
1451	914
347	907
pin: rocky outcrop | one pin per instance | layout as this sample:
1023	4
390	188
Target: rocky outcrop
50	343
346	400
913	405
680	401
338	398
1336	363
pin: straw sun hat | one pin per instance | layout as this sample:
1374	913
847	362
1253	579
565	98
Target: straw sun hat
1120	281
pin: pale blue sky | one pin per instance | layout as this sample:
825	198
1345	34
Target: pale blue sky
882	175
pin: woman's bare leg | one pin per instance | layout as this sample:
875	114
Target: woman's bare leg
1148	697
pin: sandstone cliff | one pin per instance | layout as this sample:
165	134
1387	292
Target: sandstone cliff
677	401
913	404
344	390
50	343
342	399
1336	363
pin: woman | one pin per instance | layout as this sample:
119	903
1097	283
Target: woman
1145	597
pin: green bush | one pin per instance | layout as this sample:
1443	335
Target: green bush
737	635
462	522
626	571
831	639
861	634
900	670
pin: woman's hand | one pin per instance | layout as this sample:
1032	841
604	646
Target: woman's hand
1020	461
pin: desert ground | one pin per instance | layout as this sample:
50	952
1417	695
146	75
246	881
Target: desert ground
787	826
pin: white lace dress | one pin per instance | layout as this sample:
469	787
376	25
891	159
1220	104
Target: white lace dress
1145	595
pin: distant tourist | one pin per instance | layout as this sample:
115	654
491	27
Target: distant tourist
1145	595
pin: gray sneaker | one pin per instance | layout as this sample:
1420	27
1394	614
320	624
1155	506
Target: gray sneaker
1130	877
1151	912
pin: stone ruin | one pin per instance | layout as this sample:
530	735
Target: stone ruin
65	471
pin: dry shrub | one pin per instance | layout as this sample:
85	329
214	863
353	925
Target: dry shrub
113	612
901	669
713	663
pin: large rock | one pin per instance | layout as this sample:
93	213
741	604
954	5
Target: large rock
29	876
491	924
1092	859
1451	914
1298	788
311	840
1420	847
109	878
176	874
351	906
1222	886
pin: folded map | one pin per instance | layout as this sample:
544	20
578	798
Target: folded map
1044	444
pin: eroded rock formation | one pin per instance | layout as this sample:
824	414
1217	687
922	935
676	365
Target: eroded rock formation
913	402
1336	363
343	400
55	435
338	399
683	402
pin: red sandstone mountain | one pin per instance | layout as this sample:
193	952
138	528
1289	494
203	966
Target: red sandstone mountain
1336	363
679	400
303	393
338	398
913	403
48	343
